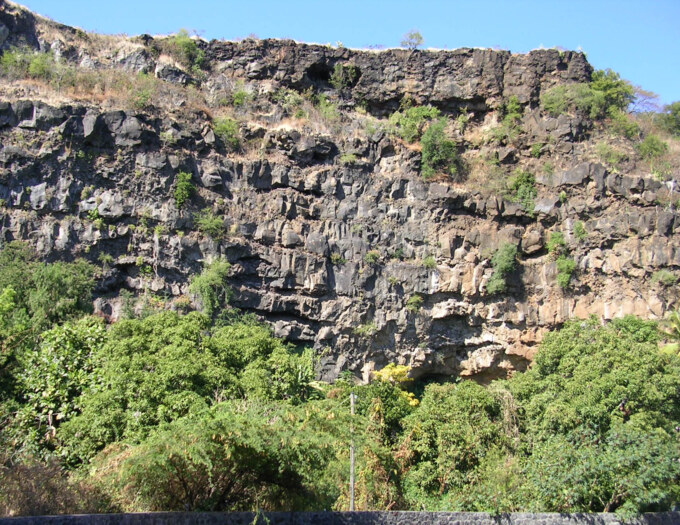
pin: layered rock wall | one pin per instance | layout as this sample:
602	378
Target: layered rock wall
330	229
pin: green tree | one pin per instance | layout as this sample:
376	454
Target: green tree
53	378
669	119
149	371
618	93
445	441
412	40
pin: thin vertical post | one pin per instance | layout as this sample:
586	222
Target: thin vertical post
351	454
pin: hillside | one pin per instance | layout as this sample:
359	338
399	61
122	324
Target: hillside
306	173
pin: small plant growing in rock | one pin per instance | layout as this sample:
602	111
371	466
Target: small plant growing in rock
343	76
106	259
664	277
536	149
522	185
227	130
328	111
509	128
503	262
365	330
372	257
556	244
159	230
414	303
565	268
184	189
209	224
580	231
337	259
609	155
347	158
398	253
86	191
429	262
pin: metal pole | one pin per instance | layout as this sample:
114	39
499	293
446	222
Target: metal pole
351	455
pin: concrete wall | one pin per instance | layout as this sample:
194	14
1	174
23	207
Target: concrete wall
341	518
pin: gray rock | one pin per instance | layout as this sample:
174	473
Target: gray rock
172	74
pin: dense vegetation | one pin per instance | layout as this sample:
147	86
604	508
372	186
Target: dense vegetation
208	411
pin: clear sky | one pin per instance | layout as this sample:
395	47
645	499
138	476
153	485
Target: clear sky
639	39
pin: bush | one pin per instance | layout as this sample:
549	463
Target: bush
578	97
652	147
622	124
565	268
210	286
414	303
522	184
26	63
664	277
343	76
208	223
227	130
185	50
606	94
600	405
410	122
503	263
372	257
556	244
183	188
429	262
609	155
438	152
328	111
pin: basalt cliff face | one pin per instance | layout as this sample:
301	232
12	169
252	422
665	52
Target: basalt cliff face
329	227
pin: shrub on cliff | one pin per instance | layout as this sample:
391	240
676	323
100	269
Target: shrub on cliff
605	95
183	188
227	130
210	286
409	123
503	262
185	50
438	154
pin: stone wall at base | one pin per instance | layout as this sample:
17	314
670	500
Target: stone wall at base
341	518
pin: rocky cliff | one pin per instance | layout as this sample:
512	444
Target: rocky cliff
333	236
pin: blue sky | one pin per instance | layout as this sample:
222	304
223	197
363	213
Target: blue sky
638	39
